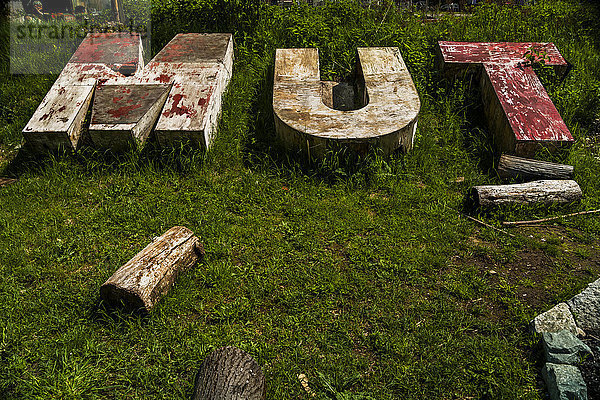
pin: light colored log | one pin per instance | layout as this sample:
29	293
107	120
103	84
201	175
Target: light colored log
141	282
537	192
229	373
527	169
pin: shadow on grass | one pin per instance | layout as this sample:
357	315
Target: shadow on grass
88	161
117	316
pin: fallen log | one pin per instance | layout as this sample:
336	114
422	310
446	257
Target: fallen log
143	280
229	373
537	192
526	169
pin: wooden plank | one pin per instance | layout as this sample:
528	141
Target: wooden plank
305	124
141	282
58	121
124	115
528	169
518	109
537	192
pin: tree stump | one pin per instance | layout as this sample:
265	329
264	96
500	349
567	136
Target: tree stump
537	192
143	280
527	169
229	373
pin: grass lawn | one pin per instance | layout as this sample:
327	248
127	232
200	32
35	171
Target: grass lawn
362	275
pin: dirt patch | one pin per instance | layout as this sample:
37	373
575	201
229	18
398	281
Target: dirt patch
548	266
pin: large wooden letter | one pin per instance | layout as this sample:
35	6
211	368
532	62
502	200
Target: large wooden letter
179	93
519	111
304	123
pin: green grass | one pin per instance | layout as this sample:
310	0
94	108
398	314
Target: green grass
358	274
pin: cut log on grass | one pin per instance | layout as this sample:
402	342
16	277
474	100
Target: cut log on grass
527	169
143	280
229	373
537	192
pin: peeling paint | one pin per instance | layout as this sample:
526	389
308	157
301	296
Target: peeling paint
164	78
123	111
529	114
58	121
176	109
197	68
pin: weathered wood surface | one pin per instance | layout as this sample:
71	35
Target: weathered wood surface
119	51
229	373
124	115
537	192
143	280
199	66
196	67
518	109
58	121
527	169
305	124
461	55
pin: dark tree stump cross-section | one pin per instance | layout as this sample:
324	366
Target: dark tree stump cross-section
229	373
